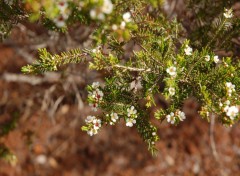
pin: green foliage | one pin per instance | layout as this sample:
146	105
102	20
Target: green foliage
147	55
49	62
10	14
7	155
6	127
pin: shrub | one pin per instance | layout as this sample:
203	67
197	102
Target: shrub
146	54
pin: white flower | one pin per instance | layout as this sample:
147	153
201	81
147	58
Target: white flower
90	119
207	113
99	94
122	25
225	109
127	17
170	118
62	5
181	115
59	21
95	85
94	14
107	7
171	91
154	133
94	106
207	58
228	13
230	88
131	111
114	117
227	102
92	132
216	59
229	85
114	27
130	122
97	124
172	71
96	94
232	112
188	50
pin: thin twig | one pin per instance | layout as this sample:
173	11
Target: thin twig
132	68
212	140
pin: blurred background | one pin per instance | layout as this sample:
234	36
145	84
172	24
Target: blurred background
41	118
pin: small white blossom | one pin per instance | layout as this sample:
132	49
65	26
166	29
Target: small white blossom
228	13
90	119
114	27
62	5
96	50
232	112
171	91
131	111
170	118
207	58
188	50
225	109
130	122
123	25
96	94
229	85
172	71
59	21
92	132
96	124
216	59
94	106
107	7
230	88
127	17
114	117
95	85
181	115
207	113
227	102
154	133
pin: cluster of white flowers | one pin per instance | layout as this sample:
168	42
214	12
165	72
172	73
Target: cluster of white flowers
9	2
93	124
230	88
126	19
100	12
113	117
228	13
215	58
172	71
172	117
231	111
188	50
171	91
63	15
96	95
132	115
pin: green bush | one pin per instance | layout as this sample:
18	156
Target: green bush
174	58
